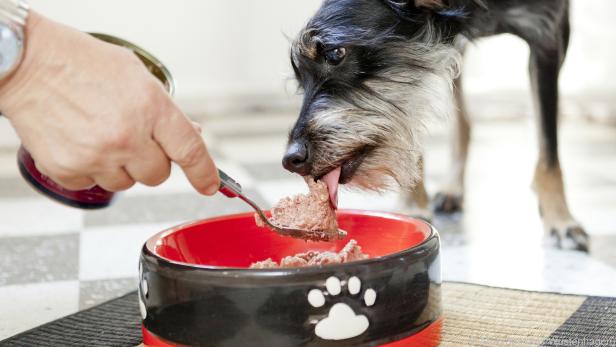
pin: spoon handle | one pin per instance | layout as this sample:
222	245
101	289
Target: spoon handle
231	189
228	186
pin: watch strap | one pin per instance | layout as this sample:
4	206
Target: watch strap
14	12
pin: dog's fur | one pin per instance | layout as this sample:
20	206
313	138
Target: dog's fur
373	71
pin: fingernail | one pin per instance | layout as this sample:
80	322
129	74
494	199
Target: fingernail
212	189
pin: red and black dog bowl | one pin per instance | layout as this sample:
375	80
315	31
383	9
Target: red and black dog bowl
196	288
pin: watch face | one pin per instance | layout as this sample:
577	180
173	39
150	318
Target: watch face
10	49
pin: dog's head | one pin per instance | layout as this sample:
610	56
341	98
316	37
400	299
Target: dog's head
371	72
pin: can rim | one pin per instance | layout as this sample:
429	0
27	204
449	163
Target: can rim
144	55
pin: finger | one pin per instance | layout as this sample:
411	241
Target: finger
40	168
68	182
65	179
181	142
197	127
152	167
73	183
114	180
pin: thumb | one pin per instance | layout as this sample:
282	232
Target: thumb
183	144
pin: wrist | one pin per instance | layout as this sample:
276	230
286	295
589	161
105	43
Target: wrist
13	18
11	83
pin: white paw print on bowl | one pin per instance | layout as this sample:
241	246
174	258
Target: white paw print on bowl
342	322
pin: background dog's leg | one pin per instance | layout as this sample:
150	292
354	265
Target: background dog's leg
558	222
451	196
420	195
417	202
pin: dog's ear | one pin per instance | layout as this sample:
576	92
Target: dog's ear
425	4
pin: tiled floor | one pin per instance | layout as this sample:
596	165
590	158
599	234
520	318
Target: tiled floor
56	260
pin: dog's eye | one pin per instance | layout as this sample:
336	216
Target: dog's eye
335	56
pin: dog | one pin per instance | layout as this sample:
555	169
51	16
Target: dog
372	72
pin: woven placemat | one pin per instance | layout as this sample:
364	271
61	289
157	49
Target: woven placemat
485	316
114	323
474	316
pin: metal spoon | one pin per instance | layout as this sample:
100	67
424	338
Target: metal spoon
231	189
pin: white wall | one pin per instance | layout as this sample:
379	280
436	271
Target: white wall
214	48
589	66
232	51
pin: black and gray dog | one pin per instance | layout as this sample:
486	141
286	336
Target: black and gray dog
373	71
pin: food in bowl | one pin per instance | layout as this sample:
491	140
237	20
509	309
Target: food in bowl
312	212
351	252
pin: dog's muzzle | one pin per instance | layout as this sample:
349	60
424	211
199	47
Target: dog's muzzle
297	158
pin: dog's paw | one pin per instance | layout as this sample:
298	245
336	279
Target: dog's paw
448	203
569	236
342	322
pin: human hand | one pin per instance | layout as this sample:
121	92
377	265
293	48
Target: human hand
90	113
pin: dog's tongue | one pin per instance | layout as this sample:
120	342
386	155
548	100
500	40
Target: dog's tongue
331	180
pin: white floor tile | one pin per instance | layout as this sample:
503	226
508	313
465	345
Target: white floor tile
253	149
8	164
37	216
237	172
113	252
353	199
26	306
255	123
8	137
529	268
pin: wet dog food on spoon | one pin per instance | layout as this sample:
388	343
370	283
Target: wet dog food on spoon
312	212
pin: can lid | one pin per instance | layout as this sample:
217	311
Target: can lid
155	66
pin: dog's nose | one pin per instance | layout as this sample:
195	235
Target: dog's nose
296	158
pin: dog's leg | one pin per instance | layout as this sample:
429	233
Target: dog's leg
559	224
451	196
417	202
420	194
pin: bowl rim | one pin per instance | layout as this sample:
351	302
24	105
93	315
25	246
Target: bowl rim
149	245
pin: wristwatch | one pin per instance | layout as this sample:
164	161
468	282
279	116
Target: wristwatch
13	17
